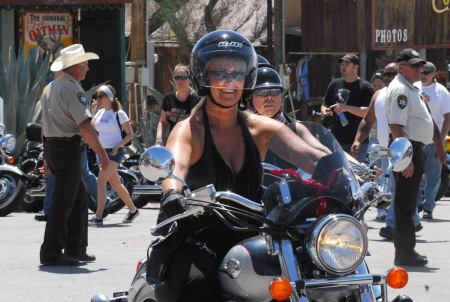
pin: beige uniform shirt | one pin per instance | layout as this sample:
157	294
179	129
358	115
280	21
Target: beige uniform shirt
405	107
64	107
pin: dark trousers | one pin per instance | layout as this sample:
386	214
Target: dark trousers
406	196
192	277
66	226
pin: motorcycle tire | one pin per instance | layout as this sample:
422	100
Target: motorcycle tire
12	192
116	202
443	187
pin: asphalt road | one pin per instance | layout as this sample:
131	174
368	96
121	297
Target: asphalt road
118	247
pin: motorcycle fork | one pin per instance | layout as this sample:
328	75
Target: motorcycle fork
291	271
289	266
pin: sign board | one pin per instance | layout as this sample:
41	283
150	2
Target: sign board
410	23
49	25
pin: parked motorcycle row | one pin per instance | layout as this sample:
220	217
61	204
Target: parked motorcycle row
22	185
298	255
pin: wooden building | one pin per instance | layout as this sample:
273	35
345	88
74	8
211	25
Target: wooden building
376	30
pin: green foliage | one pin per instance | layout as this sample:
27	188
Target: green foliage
157	95
21	81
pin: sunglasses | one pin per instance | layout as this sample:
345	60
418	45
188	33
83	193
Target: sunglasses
100	96
425	72
180	78
389	74
223	75
266	92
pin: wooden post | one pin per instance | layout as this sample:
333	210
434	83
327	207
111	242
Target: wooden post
137	51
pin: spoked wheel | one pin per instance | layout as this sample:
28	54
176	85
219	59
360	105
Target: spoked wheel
12	191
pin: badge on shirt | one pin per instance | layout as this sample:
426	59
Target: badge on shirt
402	101
82	98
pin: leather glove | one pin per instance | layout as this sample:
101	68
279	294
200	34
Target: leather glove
172	203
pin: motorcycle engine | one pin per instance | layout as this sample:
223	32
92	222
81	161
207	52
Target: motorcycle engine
247	271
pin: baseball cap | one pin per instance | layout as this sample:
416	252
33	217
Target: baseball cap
429	67
349	58
411	56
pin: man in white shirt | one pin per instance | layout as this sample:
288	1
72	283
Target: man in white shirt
438	100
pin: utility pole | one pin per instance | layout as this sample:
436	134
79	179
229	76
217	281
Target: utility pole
137	36
135	95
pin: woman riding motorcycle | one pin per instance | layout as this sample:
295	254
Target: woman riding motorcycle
221	145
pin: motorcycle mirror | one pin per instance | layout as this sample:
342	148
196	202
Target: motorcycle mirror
156	163
401	154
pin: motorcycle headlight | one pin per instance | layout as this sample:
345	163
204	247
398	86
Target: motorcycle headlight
9	142
337	244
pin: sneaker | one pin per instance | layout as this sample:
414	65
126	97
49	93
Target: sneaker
427	215
41	216
418	227
95	221
131	216
387	233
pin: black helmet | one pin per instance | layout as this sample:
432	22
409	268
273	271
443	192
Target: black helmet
262	62
268	78
222	43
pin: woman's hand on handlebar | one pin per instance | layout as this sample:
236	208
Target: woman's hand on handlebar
172	203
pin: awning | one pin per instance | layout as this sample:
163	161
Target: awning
61	2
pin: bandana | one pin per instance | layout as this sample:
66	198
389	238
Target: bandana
108	92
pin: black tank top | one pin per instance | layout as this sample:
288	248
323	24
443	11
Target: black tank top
211	168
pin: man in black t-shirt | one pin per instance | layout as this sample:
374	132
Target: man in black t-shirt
347	100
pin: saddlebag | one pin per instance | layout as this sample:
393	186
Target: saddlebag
160	254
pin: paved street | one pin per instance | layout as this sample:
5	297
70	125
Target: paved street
118	248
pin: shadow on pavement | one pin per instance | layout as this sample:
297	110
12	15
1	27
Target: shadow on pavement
81	269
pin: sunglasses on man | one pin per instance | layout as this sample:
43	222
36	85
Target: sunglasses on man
425	72
389	74
181	78
266	92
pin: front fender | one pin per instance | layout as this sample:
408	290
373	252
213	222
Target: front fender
125	170
13	169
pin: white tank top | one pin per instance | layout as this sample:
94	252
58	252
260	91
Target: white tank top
380	114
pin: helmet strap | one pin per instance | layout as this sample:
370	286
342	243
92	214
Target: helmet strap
220	105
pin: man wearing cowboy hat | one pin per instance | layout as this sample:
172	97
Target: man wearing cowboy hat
66	118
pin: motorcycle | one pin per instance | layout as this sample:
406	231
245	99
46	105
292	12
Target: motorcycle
12	179
36	189
375	195
144	191
310	247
